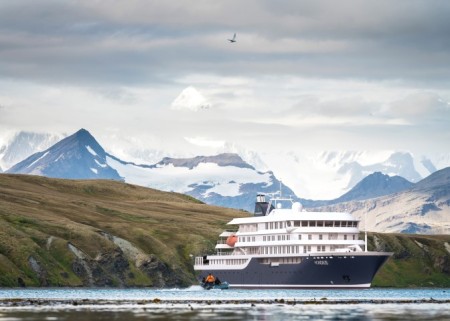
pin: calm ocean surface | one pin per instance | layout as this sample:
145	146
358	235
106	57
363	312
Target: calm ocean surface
197	304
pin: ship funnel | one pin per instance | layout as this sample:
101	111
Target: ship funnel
261	198
262	207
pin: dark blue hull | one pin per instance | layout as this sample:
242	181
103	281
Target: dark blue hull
328	271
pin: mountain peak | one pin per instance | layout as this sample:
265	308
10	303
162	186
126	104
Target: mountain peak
375	185
77	156
83	132
190	99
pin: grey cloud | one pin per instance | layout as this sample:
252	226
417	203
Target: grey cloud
159	41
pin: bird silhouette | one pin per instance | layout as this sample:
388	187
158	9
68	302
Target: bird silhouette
233	39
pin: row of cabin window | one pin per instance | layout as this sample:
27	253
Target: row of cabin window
285	237
227	262
283	260
280	225
296	249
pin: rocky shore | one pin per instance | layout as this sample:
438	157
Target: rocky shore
156	302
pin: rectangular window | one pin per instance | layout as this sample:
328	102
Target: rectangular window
304	223
296	223
328	223
343	224
345	236
337	224
320	236
354	236
320	223
312	223
299	236
309	237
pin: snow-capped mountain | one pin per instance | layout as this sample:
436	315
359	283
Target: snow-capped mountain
423	208
223	179
78	156
328	175
20	145
190	99
311	175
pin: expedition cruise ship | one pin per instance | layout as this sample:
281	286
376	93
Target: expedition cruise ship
287	247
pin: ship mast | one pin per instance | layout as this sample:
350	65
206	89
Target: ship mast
365	232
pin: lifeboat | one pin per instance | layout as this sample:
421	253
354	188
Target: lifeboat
231	240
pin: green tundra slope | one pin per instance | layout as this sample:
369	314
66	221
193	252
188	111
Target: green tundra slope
57	232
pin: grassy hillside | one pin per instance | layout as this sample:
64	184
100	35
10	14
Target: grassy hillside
61	232
106	233
418	260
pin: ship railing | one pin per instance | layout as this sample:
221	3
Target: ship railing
227	232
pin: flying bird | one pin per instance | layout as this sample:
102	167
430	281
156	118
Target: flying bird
233	39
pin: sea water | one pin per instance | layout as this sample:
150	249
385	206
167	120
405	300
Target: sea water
197	304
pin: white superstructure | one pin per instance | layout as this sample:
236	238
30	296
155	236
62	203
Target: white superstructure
284	233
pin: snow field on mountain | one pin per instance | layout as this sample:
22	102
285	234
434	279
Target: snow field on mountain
223	180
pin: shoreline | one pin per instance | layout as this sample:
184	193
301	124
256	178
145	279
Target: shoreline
156	302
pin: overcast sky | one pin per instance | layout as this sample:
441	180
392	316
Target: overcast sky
321	75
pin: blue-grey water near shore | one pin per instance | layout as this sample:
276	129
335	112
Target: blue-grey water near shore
197	304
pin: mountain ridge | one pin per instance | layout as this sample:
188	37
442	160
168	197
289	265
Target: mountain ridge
428	201
223	179
318	175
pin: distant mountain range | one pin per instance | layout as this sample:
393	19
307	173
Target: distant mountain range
423	208
224	180
227	180
323	175
23	144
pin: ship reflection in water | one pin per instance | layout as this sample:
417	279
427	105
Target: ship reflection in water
257	312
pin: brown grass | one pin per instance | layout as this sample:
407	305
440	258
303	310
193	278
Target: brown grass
33	208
